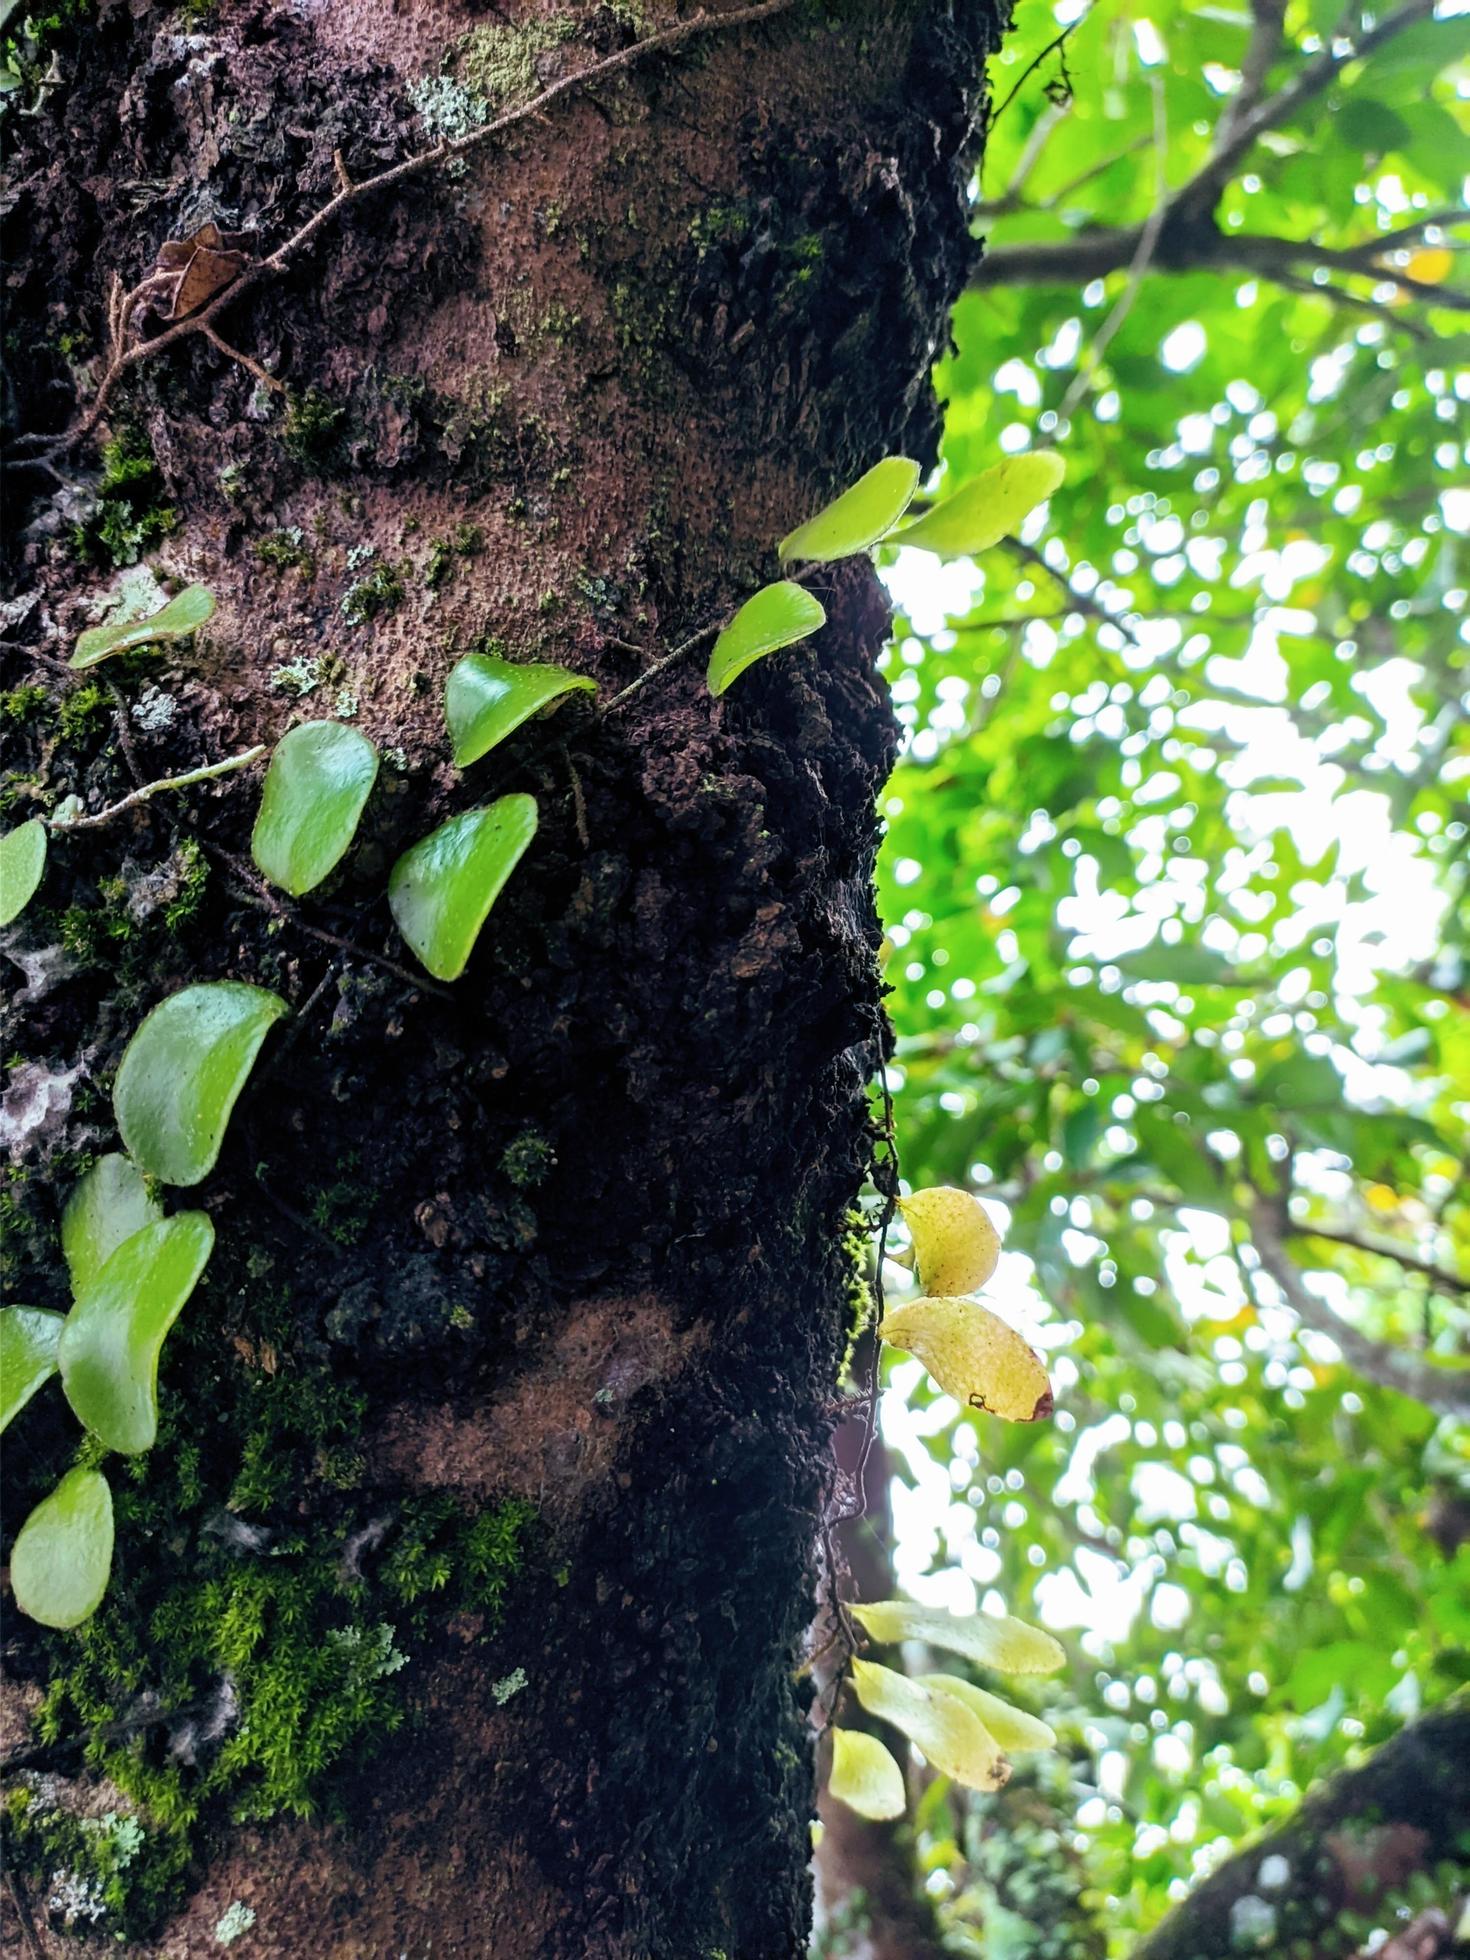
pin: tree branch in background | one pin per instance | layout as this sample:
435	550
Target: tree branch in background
1445	1390
1348	1848
1268	18
1439	1277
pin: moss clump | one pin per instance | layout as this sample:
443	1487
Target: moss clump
501	64
312	434
81	712
379	592
278	1613
286	551
21	704
466	541
529	1159
129	514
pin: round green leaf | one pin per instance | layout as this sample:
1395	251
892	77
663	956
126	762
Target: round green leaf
182	1072
865	1776
109	1346
990	507
28	1337
777	615
22	862
319	781
184	614
441	889
62	1557
486	699
860	516
109	1204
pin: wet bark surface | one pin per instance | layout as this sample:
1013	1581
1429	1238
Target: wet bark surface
570	1231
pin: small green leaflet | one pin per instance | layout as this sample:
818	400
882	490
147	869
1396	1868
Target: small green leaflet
110	1344
486	699
184	614
62	1558
316	788
990	507
442	888
859	517
28	1337
777	615
22	864
109	1204
183	1070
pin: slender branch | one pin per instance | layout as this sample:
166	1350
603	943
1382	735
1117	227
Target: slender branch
124	306
1439	1277
1057	45
1082	602
1268	19
1143	253
150	790
1446	1391
1310	81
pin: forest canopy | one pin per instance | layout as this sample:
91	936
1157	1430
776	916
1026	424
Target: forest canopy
1174	896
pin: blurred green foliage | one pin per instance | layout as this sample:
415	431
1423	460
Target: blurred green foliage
1174	886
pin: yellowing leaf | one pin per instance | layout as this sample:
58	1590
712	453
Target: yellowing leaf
1012	1728
1431	265
953	1738
973	1355
990	507
860	516
776	617
955	1245
991	1640
864	1775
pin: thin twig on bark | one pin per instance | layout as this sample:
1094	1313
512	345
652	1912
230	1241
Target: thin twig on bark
149	790
123	306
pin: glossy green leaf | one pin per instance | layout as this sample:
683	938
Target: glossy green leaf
184	614
62	1557
442	888
182	1072
988	508
776	617
316	788
109	1204
486	699
28	1337
858	518
109	1347
22	866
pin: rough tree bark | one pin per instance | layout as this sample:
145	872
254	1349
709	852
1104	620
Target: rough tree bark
559	1248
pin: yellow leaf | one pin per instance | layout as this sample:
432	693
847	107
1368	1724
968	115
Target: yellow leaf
973	1355
954	1739
864	1775
955	1245
1012	1728
1431	266
1011	1646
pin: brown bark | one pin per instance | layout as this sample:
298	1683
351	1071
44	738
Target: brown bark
630	345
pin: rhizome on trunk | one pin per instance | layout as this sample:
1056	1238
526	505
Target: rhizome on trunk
462	1597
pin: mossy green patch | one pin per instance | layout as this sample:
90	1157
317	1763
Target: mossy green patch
379	592
313	429
129	513
503	65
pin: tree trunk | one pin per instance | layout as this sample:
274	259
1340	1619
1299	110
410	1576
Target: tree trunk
458	1608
